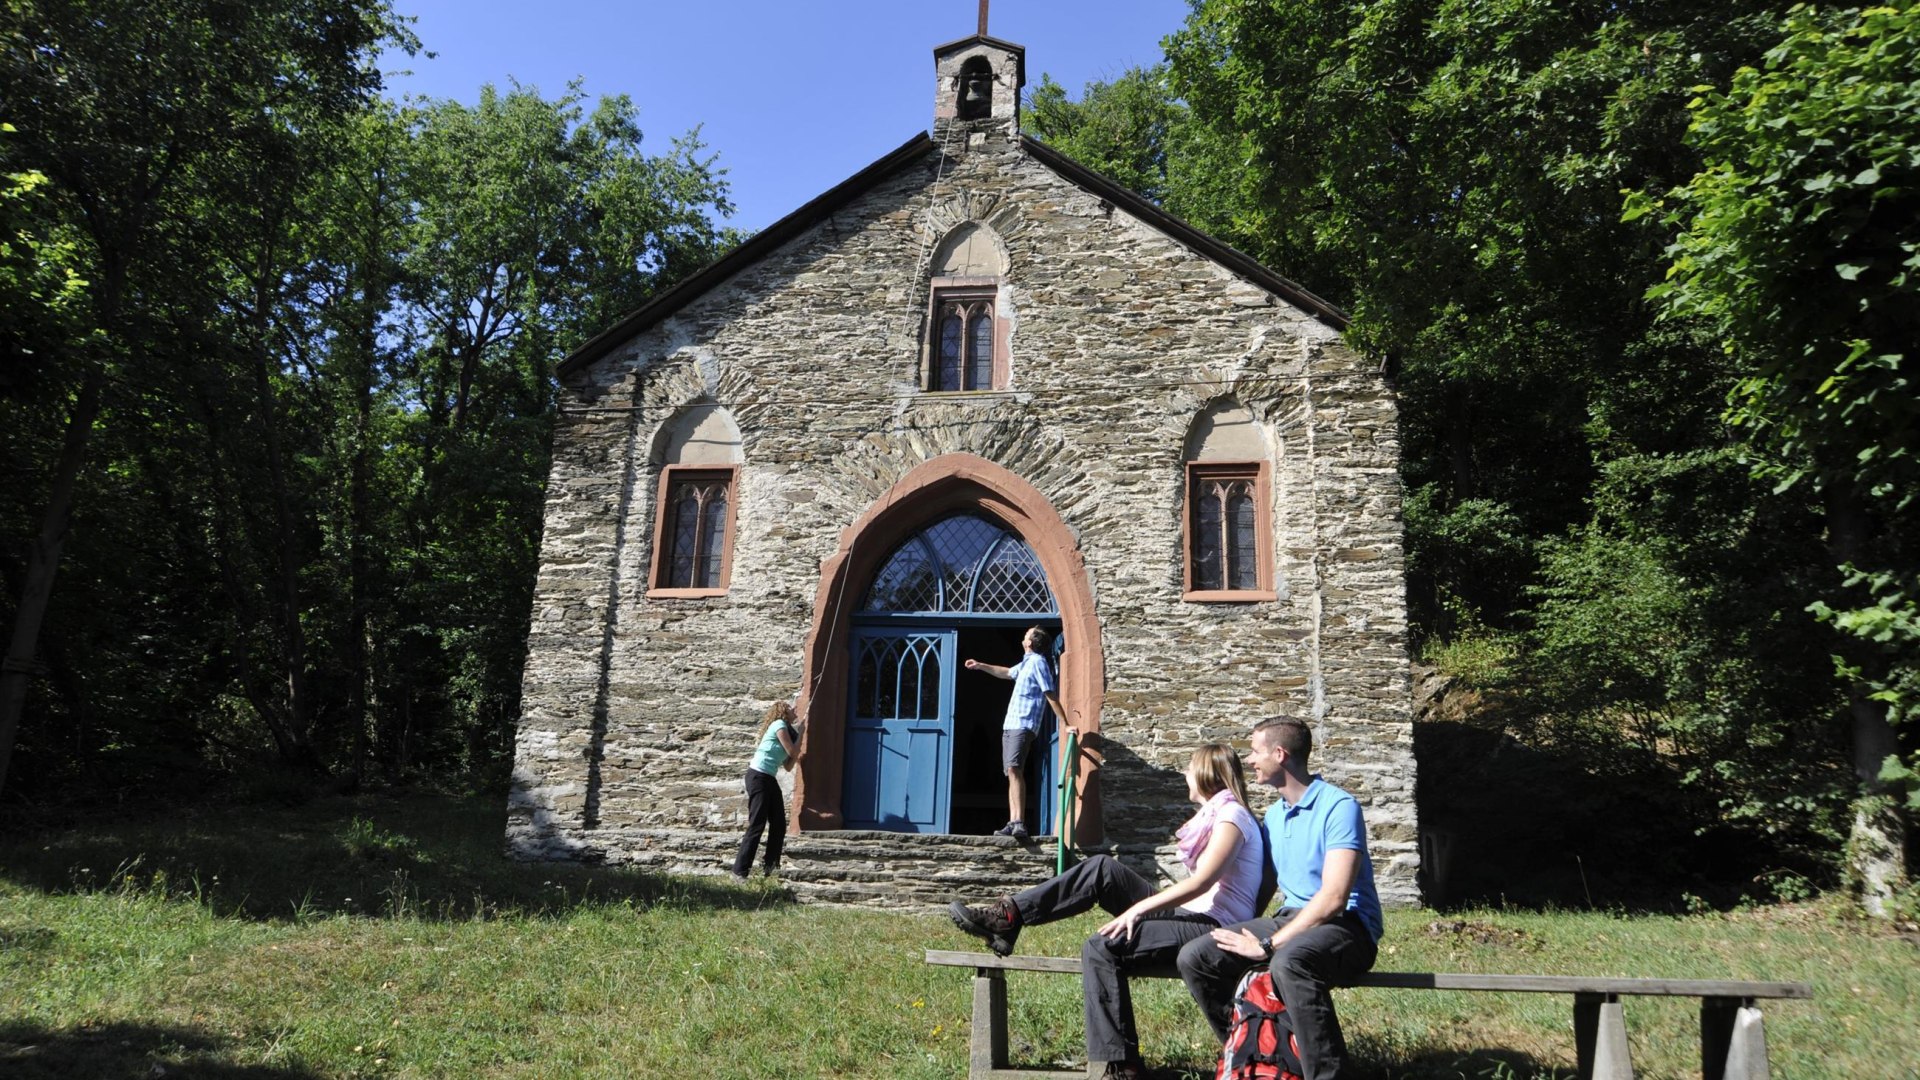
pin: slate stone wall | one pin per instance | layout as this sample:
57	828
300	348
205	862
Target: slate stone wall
640	714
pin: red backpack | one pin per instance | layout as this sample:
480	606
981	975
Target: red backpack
1260	1045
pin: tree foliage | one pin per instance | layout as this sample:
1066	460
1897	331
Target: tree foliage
1576	488
1799	243
317	330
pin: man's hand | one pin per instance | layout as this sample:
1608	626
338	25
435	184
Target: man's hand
1241	943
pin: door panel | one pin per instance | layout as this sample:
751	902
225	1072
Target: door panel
900	731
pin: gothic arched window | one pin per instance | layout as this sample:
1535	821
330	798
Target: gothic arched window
967	321
1228	526
699	456
963	358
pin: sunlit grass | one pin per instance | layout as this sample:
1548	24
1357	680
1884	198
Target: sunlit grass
388	937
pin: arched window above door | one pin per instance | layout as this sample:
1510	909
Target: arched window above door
963	563
967	327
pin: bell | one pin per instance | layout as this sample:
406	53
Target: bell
976	95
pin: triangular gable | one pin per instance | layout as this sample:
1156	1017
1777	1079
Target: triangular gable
787	228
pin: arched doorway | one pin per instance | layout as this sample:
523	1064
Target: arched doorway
949	485
922	737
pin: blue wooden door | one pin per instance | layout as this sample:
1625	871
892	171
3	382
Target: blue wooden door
1047	747
900	732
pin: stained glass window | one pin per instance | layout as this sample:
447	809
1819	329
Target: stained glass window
695	532
963	563
963	352
980	349
1223	531
948	375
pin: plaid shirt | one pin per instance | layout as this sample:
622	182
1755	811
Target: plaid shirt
1032	682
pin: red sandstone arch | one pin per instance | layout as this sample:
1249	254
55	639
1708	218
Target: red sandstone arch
948	483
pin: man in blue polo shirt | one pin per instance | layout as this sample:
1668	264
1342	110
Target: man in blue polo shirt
1327	930
1034	691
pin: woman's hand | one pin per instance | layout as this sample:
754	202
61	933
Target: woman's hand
1121	927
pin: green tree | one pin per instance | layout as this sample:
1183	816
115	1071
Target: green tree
126	106
1800	245
285	351
533	224
1137	132
1450	171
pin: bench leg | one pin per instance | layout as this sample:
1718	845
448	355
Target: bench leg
988	1050
1733	1041
1600	1038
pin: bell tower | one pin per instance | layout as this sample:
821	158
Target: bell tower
977	89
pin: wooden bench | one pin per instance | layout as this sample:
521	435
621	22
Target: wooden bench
1733	1044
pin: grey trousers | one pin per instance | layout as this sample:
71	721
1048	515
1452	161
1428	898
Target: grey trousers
1104	882
1335	953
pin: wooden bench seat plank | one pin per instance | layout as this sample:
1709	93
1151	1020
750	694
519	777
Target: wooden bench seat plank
1580	984
1421	980
1732	1038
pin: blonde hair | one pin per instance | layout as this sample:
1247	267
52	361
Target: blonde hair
779	710
1215	767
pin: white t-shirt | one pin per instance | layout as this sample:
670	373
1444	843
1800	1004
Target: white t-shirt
1230	900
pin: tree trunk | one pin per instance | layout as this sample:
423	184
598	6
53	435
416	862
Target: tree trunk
240	613
359	528
43	560
1876	848
1459	438
300	752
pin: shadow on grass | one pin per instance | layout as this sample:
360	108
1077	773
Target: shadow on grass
1453	1064
1609	832
125	1052
1422	1065
418	855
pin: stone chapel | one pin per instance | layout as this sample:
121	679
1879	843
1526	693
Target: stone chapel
974	388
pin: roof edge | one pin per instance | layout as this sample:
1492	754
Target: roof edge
998	43
1230	257
759	246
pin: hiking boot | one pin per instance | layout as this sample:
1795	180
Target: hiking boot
1015	829
998	923
1116	1070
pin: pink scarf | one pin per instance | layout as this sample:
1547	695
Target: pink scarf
1193	836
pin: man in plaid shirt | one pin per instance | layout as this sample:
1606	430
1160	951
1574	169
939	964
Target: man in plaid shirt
1034	692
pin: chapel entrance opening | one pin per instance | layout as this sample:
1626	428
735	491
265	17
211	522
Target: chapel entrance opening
980	706
922	750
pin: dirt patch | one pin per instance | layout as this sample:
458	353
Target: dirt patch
1462	931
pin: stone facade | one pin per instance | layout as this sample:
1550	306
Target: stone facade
1120	334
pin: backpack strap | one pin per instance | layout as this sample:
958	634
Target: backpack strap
1269	874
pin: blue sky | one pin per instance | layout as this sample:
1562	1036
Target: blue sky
794	96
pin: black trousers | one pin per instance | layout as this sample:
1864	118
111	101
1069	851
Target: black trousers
1306	968
1106	883
766	812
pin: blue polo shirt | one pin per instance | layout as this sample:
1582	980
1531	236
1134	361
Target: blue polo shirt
1325	819
1032	682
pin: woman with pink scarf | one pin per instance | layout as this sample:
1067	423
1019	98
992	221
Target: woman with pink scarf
1221	847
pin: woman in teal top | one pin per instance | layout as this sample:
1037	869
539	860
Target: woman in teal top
766	810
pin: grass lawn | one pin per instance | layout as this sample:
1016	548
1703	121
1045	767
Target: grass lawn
387	937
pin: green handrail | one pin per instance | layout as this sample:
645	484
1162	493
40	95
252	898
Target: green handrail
1069	788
